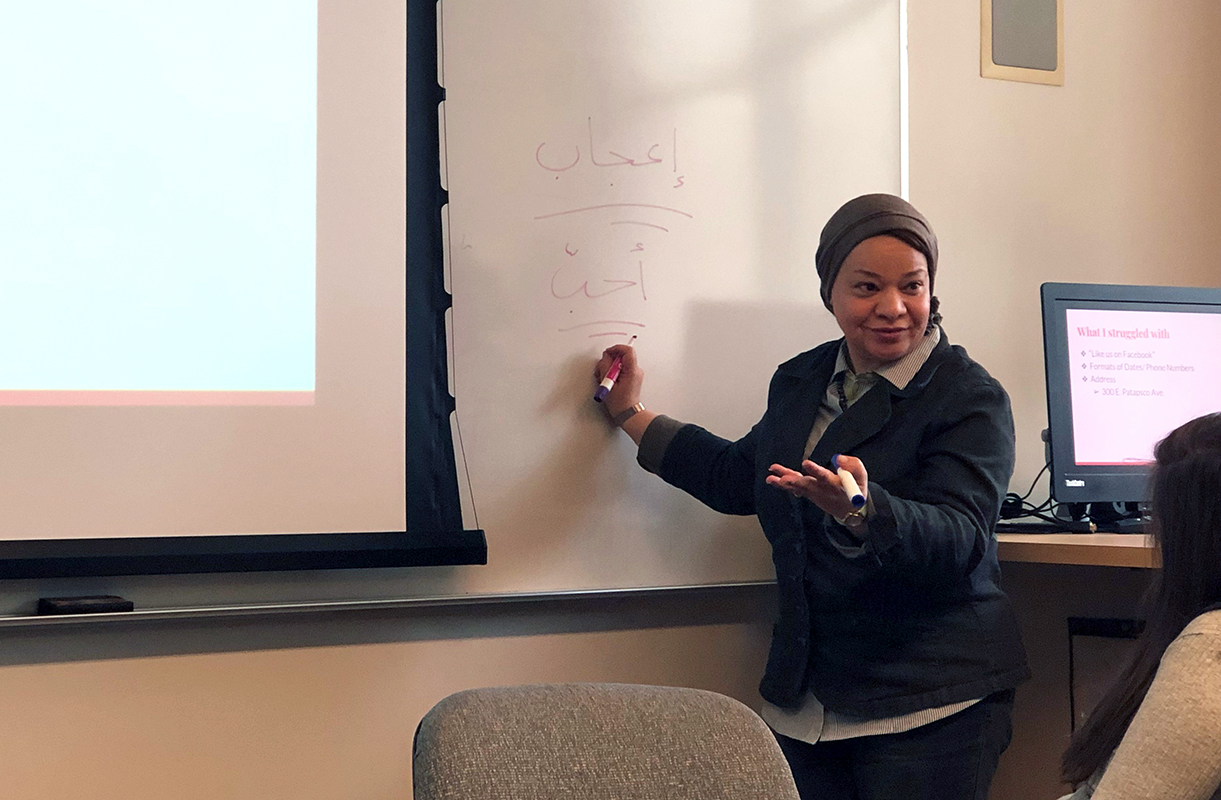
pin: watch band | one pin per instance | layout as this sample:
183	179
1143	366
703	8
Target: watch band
626	414
855	518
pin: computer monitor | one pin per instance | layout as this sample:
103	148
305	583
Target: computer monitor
1125	365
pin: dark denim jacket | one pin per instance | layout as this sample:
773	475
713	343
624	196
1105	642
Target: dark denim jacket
912	617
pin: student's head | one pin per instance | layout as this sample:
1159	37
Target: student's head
876	259
1185	502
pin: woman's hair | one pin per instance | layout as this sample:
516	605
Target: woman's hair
1185	503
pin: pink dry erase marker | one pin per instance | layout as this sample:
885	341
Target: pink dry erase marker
612	375
851	489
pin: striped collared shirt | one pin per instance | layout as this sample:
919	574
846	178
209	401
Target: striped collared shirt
897	374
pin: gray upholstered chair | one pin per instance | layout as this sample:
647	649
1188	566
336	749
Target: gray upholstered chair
596	741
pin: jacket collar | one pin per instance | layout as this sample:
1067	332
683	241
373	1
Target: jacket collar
807	376
813	363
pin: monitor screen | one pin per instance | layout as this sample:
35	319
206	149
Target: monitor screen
1125	365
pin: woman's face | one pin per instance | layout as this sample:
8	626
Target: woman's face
881	301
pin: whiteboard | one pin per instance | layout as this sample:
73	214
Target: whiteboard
659	169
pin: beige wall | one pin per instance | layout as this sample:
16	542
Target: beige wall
1113	177
323	707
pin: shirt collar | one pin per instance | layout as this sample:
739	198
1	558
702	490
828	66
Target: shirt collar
898	373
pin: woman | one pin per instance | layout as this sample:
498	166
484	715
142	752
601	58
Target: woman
1159	725
895	654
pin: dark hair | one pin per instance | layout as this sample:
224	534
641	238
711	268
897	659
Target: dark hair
1185	504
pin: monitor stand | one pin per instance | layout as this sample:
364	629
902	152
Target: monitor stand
1136	525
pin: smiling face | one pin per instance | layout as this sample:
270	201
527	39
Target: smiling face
880	299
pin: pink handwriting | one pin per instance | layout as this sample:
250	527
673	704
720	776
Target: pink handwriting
584	287
649	157
635	222
614	205
539	159
618	160
603	322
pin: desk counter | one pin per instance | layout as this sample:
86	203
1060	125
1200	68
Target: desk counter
1096	549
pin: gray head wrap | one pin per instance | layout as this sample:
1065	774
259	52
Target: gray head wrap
865	217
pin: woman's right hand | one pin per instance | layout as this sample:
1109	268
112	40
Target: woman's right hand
626	391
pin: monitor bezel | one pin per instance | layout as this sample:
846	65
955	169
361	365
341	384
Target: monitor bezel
1112	483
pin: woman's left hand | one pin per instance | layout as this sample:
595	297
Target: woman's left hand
819	485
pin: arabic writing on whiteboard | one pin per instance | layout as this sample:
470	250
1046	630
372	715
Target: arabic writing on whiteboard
602	249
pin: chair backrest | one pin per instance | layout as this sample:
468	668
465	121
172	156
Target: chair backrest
594	741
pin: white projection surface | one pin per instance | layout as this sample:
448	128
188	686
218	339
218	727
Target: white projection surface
158	201
202	290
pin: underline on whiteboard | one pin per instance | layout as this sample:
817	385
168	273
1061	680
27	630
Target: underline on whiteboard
603	322
614	205
634	222
608	333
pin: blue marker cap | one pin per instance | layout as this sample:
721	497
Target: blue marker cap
850	488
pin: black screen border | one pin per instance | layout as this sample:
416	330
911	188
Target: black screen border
179	555
1104	484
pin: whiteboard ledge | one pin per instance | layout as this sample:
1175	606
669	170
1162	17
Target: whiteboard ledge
395	604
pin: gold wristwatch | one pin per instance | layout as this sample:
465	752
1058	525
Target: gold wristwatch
853	519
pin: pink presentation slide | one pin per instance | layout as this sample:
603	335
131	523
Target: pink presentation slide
1137	375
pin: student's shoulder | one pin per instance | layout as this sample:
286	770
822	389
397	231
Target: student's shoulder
1206	625
1196	651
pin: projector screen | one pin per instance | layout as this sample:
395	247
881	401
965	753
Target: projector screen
202	249
159	224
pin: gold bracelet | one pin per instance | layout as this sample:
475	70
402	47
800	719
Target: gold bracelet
626	414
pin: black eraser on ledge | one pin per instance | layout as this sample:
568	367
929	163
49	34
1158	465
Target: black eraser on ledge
94	604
